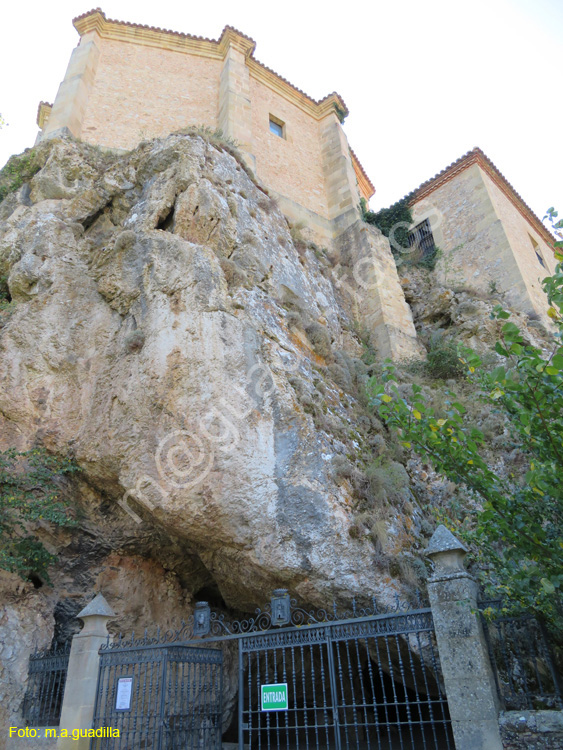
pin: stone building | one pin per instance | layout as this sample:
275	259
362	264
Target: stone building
489	239
126	83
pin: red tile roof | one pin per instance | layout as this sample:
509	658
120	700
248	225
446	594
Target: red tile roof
476	156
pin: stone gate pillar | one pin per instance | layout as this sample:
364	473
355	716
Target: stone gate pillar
82	675
468	678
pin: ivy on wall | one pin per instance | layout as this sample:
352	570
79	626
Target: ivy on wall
394	223
397	217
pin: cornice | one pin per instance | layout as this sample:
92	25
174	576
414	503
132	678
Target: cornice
317	109
476	156
150	36
366	186
43	113
232	37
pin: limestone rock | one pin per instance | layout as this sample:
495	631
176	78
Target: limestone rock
150	337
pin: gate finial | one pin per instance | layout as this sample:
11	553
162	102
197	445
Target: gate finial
95	615
446	552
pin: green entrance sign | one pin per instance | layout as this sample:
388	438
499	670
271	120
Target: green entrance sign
274	697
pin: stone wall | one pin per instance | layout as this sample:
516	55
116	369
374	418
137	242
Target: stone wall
532	730
126	84
367	277
141	92
484	241
521	236
291	165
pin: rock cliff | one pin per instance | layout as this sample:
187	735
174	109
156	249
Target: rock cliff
193	352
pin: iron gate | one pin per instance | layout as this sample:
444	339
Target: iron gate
159	697
369	682
368	679
45	686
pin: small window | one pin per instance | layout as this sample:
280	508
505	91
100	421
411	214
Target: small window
421	239
277	127
537	250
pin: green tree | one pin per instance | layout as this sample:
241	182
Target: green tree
516	531
30	493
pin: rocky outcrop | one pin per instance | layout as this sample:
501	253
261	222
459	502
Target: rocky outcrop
462	312
205	373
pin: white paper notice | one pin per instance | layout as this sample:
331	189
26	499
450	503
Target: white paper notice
123	699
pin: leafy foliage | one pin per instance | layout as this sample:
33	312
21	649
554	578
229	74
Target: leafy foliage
443	361
4	293
394	222
19	169
517	535
423	259
30	494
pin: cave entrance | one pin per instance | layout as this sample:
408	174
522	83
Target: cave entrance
365	683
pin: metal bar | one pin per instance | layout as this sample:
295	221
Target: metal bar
396	700
383	691
427	689
220	709
304	699
315	708
334	692
258	684
404	685
325	711
443	700
417	702
351	678
162	707
498	626
296	722
535	659
363	692
241	696
519	656
286	713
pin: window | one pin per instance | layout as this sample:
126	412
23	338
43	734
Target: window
537	250
277	127
421	239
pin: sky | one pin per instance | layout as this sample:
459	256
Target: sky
424	80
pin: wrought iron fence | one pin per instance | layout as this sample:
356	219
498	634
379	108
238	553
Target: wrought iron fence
281	611
372	682
523	663
166	697
368	677
45	686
